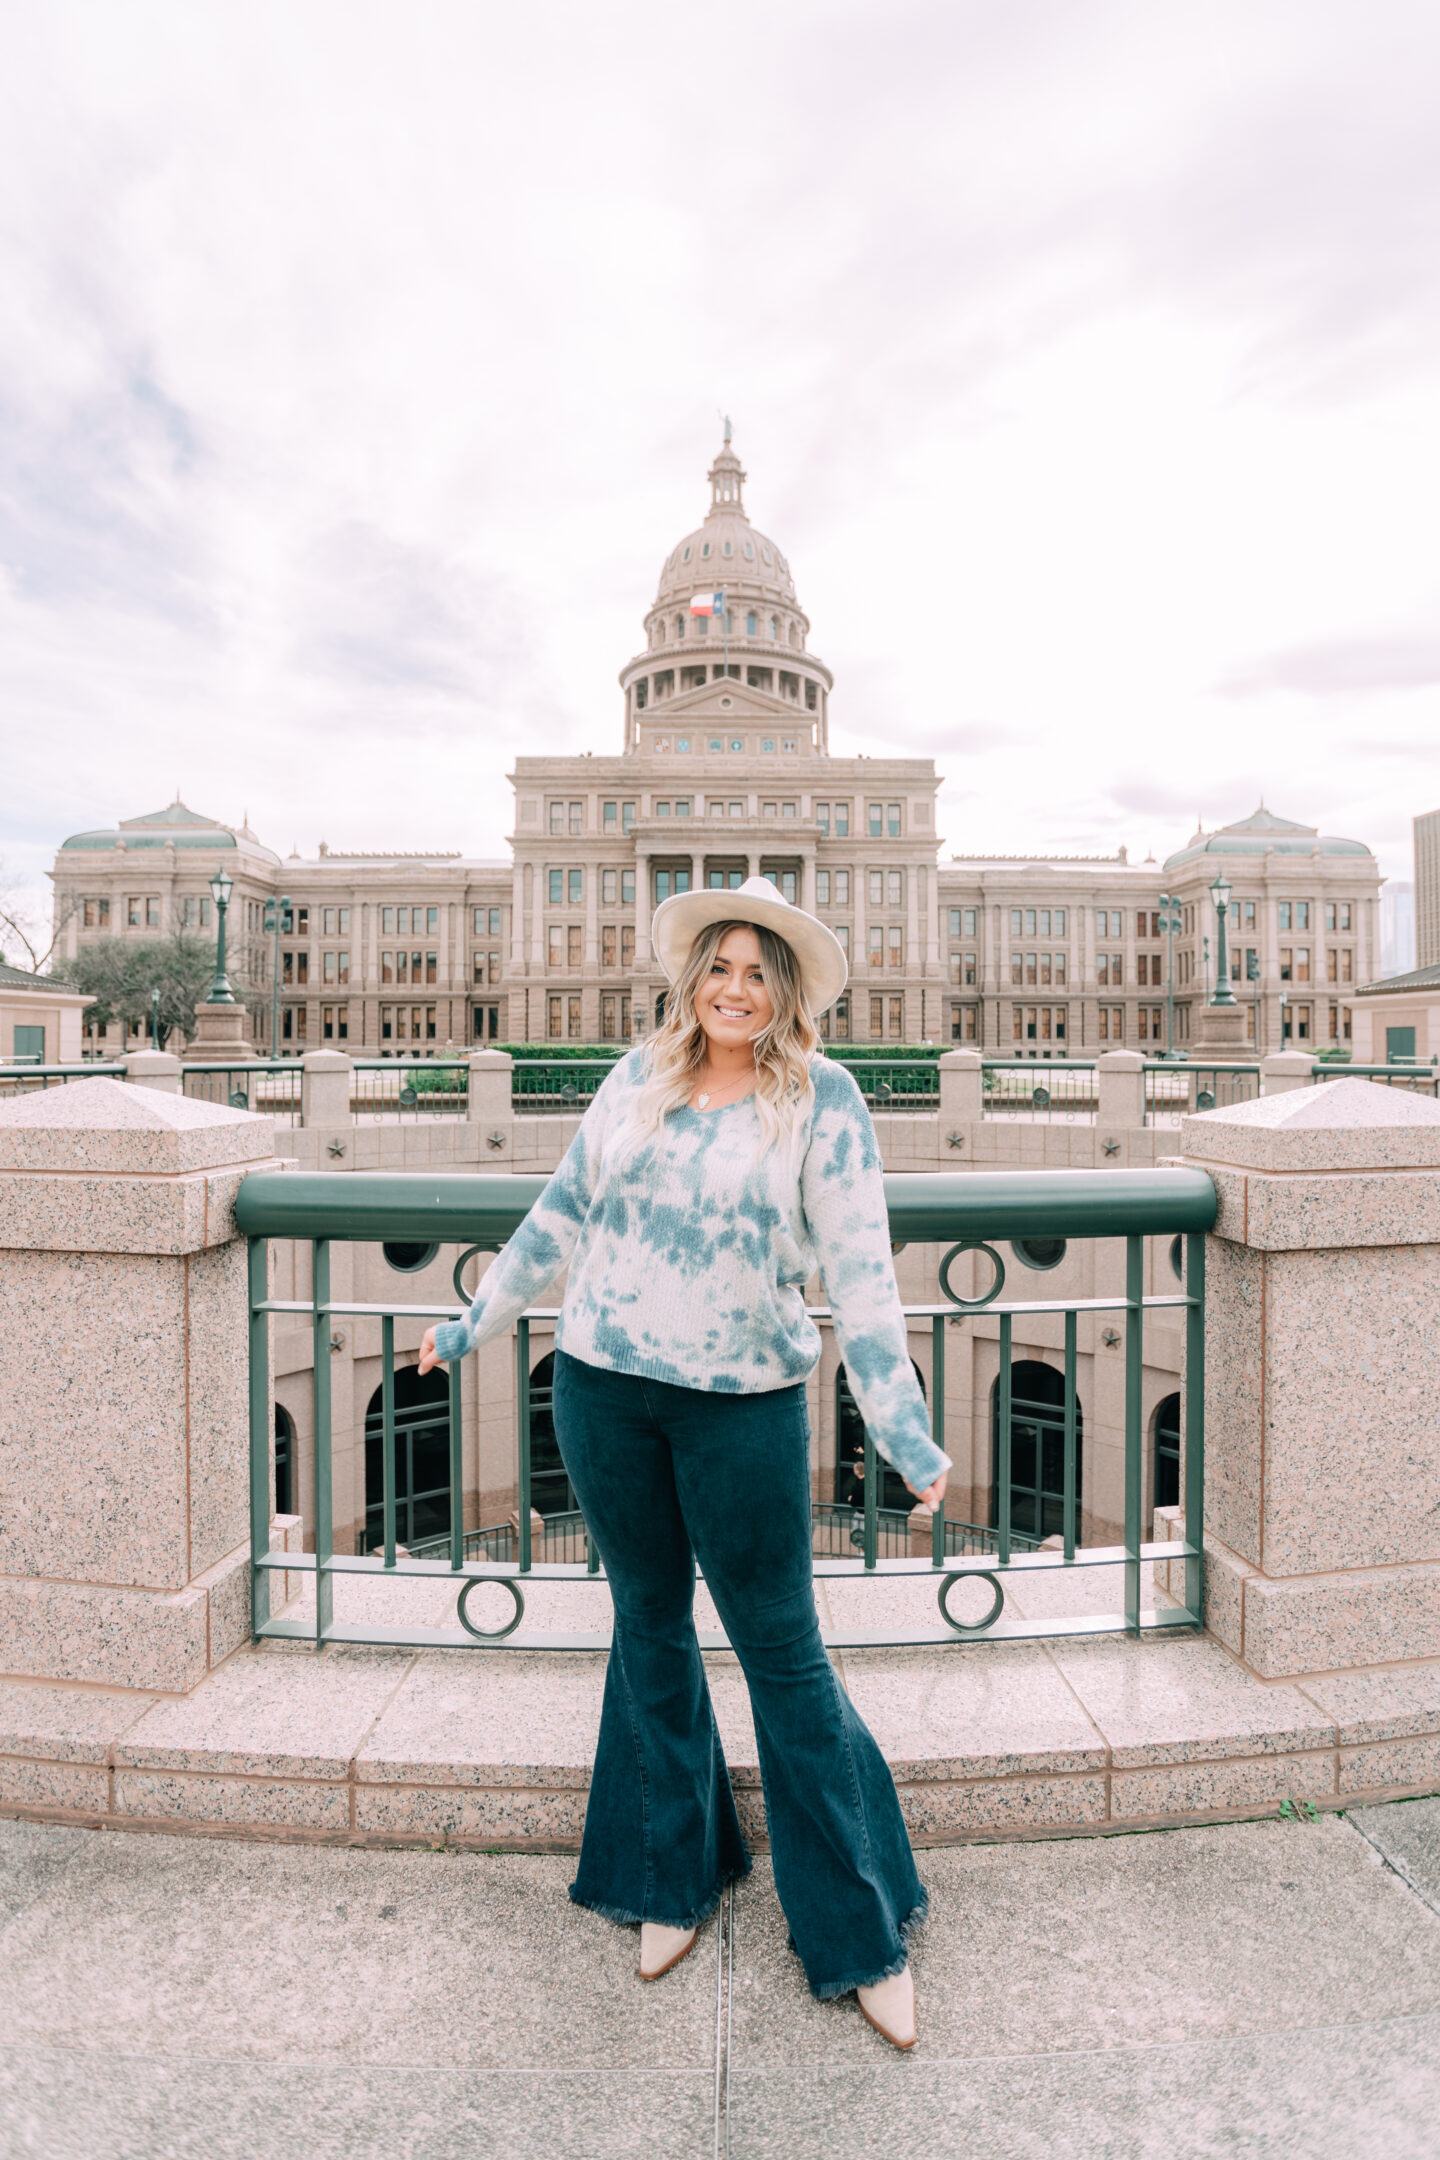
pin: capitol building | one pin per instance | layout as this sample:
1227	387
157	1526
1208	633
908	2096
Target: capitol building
724	772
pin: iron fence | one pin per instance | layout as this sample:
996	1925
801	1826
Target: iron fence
1414	1079
558	1084
269	1086
27	1079
1174	1089
410	1088
895	1083
970	1213
1047	1090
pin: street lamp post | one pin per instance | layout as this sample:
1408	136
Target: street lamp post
1220	894
274	909
1170	922
220	990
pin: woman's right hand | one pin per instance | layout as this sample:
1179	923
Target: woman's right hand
428	1357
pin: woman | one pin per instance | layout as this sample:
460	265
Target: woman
717	1167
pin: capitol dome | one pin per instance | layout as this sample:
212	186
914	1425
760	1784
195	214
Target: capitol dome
757	639
726	550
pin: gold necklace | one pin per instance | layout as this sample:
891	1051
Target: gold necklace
706	1095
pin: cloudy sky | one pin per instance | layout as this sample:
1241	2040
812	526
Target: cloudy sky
361	363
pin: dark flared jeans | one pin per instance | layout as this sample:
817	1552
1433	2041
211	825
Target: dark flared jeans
667	1476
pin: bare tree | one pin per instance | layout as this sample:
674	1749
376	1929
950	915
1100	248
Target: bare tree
23	920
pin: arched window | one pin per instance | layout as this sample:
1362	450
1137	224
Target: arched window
850	1455
1165	1442
679	626
422	1460
775	629
752	623
1037	1449
551	1492
286	1484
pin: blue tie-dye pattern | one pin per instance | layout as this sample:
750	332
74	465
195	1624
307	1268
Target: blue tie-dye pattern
688	1256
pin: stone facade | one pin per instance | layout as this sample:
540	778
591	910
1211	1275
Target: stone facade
724	769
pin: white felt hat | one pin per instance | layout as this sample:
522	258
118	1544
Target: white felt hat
678	921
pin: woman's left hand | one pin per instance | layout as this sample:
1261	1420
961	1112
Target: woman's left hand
933	1494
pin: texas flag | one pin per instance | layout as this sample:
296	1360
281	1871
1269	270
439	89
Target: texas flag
707	603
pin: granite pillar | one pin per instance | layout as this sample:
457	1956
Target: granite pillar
124	1446
1120	1088
490	1102
1322	1472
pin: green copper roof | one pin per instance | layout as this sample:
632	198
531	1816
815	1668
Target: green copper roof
1262	833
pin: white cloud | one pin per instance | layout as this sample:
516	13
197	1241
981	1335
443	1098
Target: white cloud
362	364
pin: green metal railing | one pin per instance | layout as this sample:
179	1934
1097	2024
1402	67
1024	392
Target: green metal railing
558	1084
1045	1090
407	1088
269	1086
26	1079
1415	1079
1175	1088
970	1213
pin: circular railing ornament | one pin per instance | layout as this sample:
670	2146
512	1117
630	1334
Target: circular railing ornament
496	1634
1205	1100
971	1627
972	1304
469	1254
239	1100
883	1091
409	1096
1040	1097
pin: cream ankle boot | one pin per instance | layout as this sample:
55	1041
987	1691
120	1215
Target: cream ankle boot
661	1947
890	2007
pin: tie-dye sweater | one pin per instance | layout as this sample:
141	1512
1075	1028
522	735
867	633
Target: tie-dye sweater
689	1251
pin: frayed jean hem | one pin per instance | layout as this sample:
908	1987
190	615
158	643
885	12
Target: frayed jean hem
828	1990
624	1918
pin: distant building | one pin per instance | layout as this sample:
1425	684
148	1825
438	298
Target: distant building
724	771
1397	927
1426	949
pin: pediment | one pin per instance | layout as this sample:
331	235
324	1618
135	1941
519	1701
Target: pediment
703	703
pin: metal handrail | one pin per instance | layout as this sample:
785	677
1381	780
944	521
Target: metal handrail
975	1210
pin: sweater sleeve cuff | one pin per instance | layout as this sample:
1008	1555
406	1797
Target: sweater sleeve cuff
452	1340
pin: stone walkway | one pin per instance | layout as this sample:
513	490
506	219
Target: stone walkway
1264	1988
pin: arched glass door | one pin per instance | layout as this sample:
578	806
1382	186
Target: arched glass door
422	1459
1165	1428
850	1455
551	1492
1037	1450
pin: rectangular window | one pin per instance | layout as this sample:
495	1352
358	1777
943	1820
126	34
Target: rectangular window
327	922
575	884
1287	962
1332	962
430	974
572	1018
1302	963
822	888
607	945
876	815
1347	965
1112	1023
897	948
1044	967
387	922
842	888
387	1023
609	887
557	888
842	820
896	1029
557	817
607	1017
1059	967
737	809
1030	968
302	967
842	938
1284	915
627	945
787	809
402	967
670	881
1345	923
387	967
627	815
954	922
1302	914
822	816
877	1019
962	1023
556	949
682	806
575	946
328	964
555	1018
477	967
97	914
577	817
1017	967
877	888
627	888
1017	922
1059	920
1142	969
610	814
1030	929
877	945
895	888
892	820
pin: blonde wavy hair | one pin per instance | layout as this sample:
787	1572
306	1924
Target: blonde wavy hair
783	1048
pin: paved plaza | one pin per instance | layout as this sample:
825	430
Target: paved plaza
1267	1988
